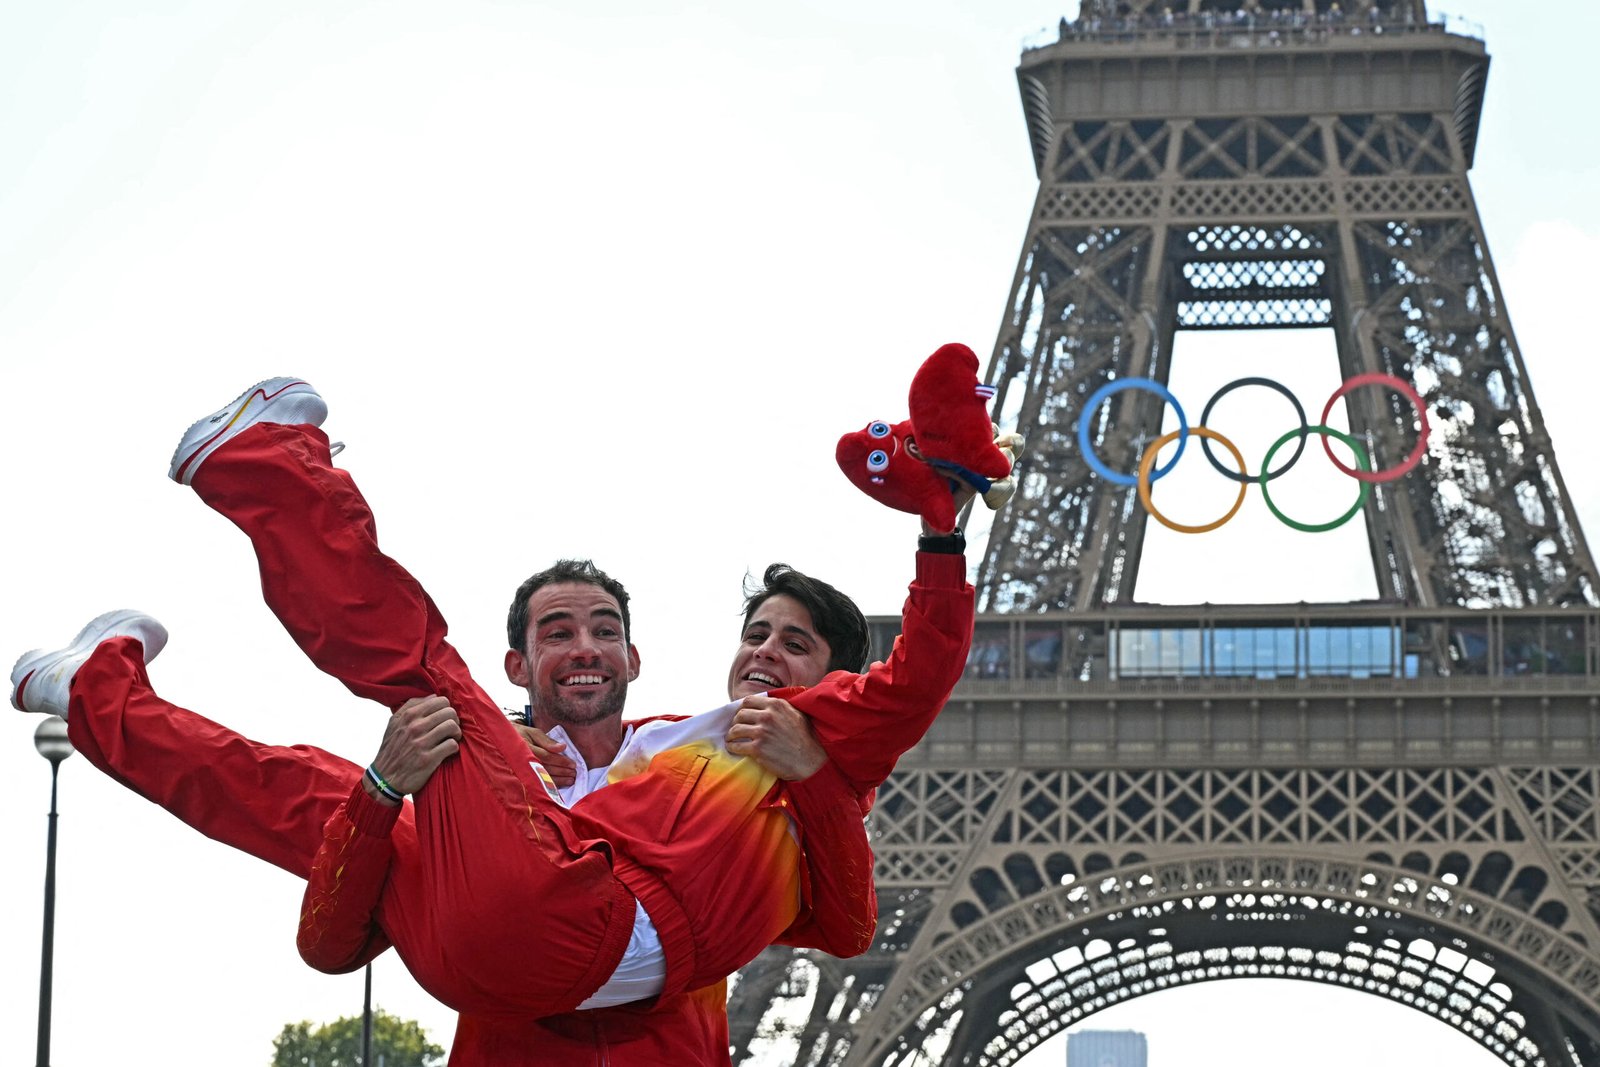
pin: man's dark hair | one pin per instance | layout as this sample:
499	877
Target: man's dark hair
836	617
581	571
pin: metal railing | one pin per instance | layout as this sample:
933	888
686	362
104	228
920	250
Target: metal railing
1229	30
1232	648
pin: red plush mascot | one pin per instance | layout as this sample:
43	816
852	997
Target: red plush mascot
947	442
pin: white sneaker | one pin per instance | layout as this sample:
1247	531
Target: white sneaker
41	681
285	400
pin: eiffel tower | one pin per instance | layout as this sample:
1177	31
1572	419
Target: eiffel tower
1397	796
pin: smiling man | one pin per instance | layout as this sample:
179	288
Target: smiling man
567	629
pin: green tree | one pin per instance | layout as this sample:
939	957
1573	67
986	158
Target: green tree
400	1043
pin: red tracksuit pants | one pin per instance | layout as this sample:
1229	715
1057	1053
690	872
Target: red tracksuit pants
362	618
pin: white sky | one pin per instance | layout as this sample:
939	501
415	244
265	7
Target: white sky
585	279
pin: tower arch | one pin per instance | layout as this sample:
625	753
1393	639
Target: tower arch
1048	961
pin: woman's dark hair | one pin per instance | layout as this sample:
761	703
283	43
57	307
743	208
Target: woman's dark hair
836	617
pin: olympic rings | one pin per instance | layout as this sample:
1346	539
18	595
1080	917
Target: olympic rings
1119	385
1361	497
1405	390
1149	460
1241	475
1145	476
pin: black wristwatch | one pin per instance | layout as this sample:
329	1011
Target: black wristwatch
953	543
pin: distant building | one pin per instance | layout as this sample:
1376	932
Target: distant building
1106	1048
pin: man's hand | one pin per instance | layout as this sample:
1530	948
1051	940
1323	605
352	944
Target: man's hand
563	770
770	731
421	735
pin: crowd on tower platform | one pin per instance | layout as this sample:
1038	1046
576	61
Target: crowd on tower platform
1276	26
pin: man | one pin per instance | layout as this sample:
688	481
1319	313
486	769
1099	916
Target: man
689	1028
361	617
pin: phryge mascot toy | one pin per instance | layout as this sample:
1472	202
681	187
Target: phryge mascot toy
947	442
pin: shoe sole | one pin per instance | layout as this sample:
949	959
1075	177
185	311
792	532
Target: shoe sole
152	635
283	400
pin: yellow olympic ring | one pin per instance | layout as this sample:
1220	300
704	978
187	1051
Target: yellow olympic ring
1149	461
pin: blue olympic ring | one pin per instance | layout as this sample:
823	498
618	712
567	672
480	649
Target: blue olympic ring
1109	389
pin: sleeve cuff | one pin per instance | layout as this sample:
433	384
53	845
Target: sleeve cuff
941	570
827	784
370	817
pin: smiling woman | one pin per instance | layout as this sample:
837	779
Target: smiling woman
796	629
780	648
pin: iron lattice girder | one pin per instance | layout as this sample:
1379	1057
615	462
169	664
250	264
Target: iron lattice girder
1492	516
1251	280
1307	685
1154	78
1241	291
1246	935
1369	244
990	821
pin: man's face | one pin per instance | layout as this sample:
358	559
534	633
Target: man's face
578	662
780	646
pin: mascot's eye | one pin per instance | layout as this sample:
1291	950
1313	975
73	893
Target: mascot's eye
878	429
877	460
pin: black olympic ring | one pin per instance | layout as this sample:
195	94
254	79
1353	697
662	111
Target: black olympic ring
1238	383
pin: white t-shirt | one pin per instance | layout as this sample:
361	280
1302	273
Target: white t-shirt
589	778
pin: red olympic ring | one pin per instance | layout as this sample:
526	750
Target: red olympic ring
1406	465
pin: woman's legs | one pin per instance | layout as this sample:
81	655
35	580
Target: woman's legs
524	911
266	800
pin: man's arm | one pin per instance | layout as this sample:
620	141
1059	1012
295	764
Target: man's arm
338	928
338	925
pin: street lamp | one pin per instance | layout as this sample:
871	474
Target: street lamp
366	1022
51	741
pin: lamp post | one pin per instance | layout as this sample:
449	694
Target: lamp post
366	1022
51	741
